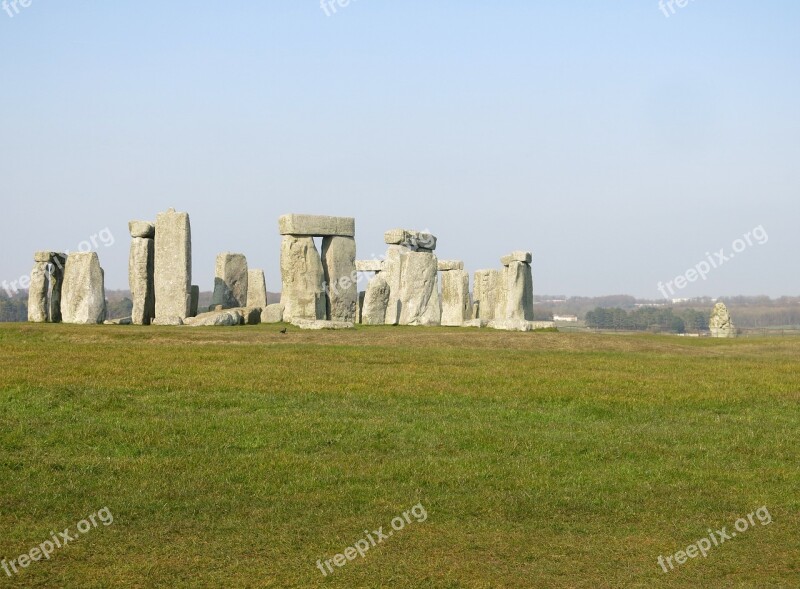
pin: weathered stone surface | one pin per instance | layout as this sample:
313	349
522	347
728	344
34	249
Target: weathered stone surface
250	315
517	256
341	278
230	281
83	294
519	289
413	240
38	293
456	307
195	301
58	264
225	318
476	323
720	323
303	294
369	265
144	229
419	290
376	300
321	324
141	278
42	256
173	265
317	225
256	289
272	314
487	292
167	321
392	273
448	265
359	309
123	321
520	325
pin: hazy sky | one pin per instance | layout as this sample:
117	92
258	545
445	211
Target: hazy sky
618	144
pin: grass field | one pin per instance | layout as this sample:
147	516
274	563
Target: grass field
238	457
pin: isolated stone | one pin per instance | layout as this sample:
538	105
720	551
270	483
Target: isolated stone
225	318
230	281
317	225
83	294
303	293
456	307
173	265
144	229
720	323
319	324
256	289
272	314
419	290
376	300
141	278
341	278
519	291
369	265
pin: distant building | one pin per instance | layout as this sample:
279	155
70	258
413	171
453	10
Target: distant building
566	318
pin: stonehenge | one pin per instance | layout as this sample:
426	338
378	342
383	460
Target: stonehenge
318	287
141	272
173	266
83	295
410	286
44	292
230	281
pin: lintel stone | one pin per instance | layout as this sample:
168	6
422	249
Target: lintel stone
317	225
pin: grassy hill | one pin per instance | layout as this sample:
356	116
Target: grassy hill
238	457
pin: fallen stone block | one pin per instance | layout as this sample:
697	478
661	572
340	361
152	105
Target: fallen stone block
272	314
167	321
320	324
225	318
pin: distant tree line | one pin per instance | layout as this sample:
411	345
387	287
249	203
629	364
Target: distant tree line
14	307
657	319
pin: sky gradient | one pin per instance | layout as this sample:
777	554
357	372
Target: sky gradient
621	146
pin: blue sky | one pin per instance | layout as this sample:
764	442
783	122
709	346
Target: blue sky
618	144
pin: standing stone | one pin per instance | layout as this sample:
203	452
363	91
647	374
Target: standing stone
173	266
37	293
519	290
195	301
485	294
376	299
302	276
392	272
83	293
720	323
230	282
339	267
58	263
256	289
419	290
141	279
456	307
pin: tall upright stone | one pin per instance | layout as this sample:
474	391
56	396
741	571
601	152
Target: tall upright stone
376	299
195	301
173	266
341	279
392	273
303	293
58	263
419	289
486	291
83	294
37	293
518	282
230	281
456	306
256	289
141	272
721	324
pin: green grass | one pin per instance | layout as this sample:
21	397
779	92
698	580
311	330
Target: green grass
237	457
